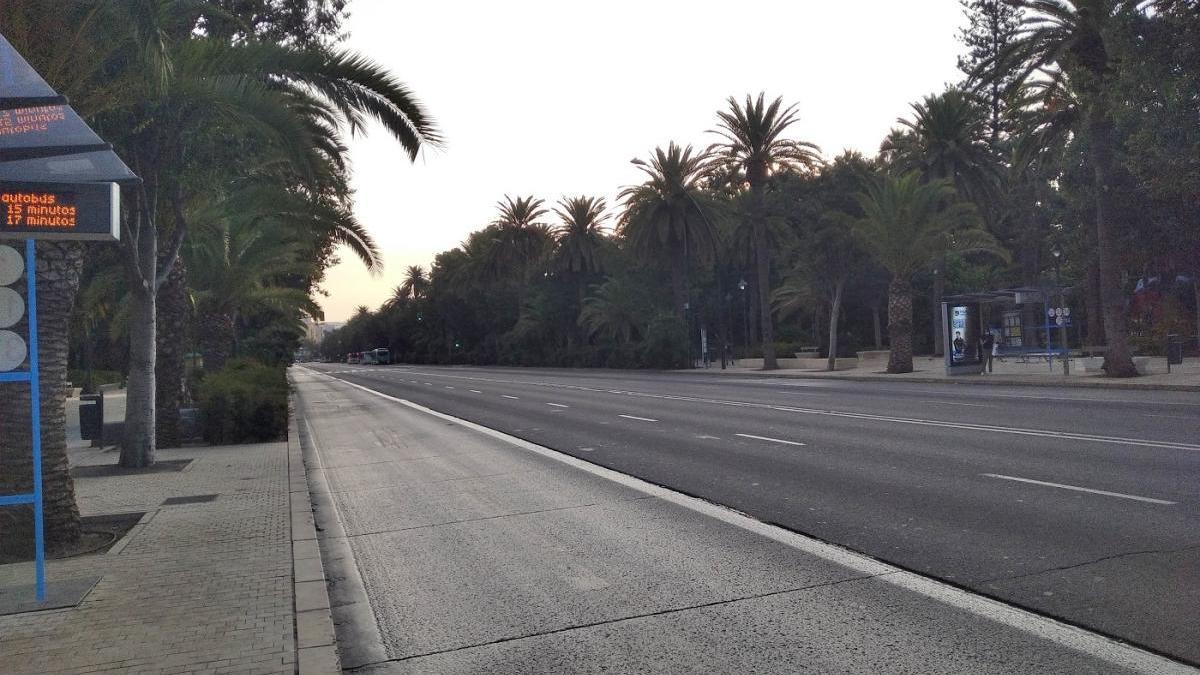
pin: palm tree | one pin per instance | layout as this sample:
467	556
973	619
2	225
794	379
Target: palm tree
754	147
241	268
616	311
76	69
668	215
948	139
287	97
520	241
580	234
1072	38
415	284
906	222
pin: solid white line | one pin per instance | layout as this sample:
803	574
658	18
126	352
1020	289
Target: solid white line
973	405
512	397
475	391
768	438
635	417
558	405
1076	488
1106	649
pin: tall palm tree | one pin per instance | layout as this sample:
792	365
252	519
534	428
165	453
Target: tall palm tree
755	147
1072	38
948	139
521	241
668	215
580	234
906	222
415	284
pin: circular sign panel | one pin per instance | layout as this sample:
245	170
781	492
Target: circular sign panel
12	265
12	307
12	351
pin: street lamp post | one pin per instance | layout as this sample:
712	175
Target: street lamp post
746	317
1057	253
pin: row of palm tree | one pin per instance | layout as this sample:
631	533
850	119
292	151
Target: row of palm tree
965	185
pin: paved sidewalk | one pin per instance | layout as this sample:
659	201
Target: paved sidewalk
928	369
194	588
460	550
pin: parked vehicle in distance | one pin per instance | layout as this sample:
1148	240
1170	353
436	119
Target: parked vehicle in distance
368	359
353	357
382	356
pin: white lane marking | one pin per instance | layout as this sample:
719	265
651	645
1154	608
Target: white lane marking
706	437
973	405
475	391
429	383
558	405
1076	488
449	387
1106	649
1174	417
635	417
768	438
1045	433
512	397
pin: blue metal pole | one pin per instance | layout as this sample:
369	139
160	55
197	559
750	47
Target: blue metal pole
35	404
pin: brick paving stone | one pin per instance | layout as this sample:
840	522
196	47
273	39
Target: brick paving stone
200	588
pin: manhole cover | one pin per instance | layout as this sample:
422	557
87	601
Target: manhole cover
193	499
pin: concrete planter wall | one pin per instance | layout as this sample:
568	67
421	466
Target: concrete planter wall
802	364
874	359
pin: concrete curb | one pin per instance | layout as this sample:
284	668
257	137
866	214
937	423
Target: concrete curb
989	380
316	642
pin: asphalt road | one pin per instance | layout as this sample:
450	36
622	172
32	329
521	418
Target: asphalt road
1078	503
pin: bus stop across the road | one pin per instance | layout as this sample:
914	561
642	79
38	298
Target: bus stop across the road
1027	323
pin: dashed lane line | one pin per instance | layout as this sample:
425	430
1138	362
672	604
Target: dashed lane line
1077	488
768	438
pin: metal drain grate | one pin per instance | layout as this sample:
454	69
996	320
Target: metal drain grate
193	499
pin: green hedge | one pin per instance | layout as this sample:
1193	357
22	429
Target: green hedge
246	402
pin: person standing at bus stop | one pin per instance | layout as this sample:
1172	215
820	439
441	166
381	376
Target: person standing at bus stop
987	344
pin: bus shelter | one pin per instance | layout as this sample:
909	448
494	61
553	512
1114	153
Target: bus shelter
1027	323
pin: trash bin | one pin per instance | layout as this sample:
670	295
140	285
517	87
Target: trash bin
1174	349
91	418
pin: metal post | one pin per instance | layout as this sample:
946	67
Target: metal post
1049	336
35	404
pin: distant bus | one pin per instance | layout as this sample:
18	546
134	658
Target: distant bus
381	356
368	358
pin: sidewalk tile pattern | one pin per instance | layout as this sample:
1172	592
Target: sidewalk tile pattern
199	588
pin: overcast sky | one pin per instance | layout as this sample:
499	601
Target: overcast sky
555	98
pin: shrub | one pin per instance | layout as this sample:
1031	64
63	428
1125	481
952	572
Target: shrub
246	402
665	345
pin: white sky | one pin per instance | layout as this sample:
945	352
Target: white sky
553	98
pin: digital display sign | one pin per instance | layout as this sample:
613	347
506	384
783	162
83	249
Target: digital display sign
59	211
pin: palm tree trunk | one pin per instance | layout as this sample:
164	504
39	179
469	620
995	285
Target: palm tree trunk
59	265
1095	313
763	265
141	258
137	449
1118	361
939	291
876	325
835	308
900	325
169	369
678	283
